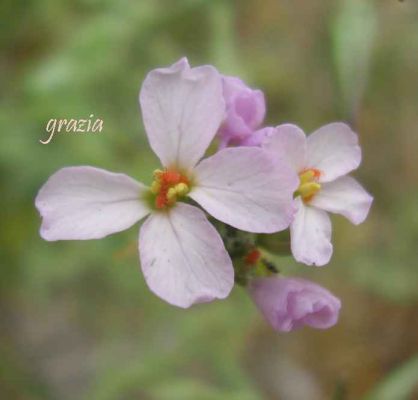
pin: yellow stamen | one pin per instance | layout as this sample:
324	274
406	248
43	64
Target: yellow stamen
307	190
171	194
309	185
181	189
306	176
157	173
155	186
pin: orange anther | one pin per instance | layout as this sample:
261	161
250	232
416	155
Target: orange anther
161	200
316	172
171	177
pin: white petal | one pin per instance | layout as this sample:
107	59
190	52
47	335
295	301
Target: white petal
344	196
182	109
247	188
310	234
333	149
88	203
183	258
288	142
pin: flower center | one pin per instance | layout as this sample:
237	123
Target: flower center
168	186
308	185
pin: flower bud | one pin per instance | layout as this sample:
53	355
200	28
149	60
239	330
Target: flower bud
245	111
290	303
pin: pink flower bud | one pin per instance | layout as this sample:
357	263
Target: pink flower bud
245	111
290	303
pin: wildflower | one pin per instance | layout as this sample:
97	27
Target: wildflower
245	111
322	161
290	303
183	258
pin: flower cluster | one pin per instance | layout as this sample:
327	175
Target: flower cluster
202	215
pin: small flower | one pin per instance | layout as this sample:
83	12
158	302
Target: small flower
322	161
245	111
183	258
290	303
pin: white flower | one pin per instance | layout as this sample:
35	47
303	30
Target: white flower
183	258
322	160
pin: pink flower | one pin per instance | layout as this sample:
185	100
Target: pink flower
322	161
183	258
290	303
245	111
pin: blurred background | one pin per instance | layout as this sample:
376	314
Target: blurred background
77	321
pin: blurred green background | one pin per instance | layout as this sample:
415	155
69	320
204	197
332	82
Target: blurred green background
77	321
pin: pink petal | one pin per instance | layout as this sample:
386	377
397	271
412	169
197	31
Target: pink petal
344	196
310	234
244	187
257	138
290	303
288	142
334	150
88	203
183	258
182	109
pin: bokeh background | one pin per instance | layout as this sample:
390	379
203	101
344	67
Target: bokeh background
77	321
